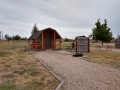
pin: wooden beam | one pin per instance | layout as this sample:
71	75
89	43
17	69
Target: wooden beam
42	41
54	41
76	46
88	45
60	43
36	44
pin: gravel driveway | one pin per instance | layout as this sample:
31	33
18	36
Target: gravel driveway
79	74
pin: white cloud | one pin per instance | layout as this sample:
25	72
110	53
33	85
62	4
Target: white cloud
69	17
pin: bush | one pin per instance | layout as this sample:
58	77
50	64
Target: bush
66	40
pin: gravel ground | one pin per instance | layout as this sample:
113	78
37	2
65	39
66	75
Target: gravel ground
79	74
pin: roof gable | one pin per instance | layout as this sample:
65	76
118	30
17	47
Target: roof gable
36	34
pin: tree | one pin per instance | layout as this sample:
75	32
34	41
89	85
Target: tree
24	38
101	32
8	37
16	37
118	36
66	40
35	29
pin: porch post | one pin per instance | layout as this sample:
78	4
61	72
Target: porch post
36	44
60	43
42	42
54	41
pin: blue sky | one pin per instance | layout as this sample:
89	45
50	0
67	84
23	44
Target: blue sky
70	18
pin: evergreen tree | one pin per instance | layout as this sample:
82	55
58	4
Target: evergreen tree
101	32
35	29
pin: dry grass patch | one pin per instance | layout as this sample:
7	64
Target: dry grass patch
65	44
104	56
21	71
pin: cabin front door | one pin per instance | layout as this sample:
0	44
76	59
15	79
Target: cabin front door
48	41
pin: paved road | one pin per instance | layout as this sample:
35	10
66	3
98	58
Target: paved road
79	74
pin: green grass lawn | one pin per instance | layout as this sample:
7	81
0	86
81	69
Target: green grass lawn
21	71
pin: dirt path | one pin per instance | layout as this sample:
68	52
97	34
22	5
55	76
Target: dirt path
79	74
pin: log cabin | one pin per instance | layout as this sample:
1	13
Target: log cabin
45	39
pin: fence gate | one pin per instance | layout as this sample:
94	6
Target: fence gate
82	44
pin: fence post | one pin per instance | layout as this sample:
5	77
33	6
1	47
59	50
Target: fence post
88	45
76	47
